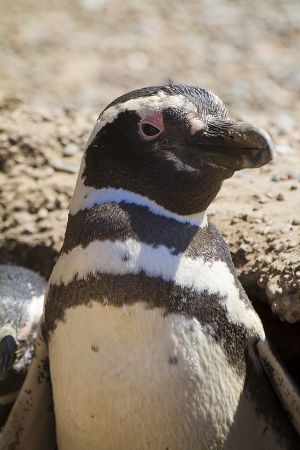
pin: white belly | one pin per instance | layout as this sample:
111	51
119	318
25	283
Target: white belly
133	379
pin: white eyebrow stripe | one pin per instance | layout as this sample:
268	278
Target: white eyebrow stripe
142	105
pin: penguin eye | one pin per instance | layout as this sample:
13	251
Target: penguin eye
149	130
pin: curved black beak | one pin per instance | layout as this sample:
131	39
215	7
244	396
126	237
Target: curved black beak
234	145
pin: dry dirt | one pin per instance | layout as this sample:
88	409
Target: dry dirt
61	62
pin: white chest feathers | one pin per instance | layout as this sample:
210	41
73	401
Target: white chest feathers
131	378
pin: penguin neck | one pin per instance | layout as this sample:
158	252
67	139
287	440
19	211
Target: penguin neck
85	197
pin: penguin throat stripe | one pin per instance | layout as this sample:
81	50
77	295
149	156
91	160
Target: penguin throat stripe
134	257
86	197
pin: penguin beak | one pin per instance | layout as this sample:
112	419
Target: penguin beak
234	145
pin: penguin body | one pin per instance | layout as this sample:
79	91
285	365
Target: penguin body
21	306
152	341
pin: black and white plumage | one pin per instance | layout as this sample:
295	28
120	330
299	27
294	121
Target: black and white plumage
152	341
21	306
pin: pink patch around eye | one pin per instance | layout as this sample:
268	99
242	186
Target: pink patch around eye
155	120
195	123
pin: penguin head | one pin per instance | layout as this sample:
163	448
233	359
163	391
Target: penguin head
174	144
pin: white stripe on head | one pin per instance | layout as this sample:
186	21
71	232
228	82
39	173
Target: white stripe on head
203	276
86	197
144	105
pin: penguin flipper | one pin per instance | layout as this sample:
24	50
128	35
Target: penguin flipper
31	423
286	389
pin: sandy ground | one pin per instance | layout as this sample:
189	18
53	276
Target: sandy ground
63	61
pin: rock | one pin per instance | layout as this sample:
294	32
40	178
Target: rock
263	199
287	309
280	197
70	150
62	166
28	228
42	213
22	217
293	175
292	244
248	239
278	177
272	290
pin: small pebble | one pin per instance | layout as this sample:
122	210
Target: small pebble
42	213
277	227
44	228
248	239
296	222
293	176
22	217
61	166
280	197
263	200
70	150
278	177
292	244
28	229
272	290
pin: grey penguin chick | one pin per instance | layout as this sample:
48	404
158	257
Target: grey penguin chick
21	306
151	340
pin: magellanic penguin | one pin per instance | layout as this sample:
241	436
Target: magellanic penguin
21	307
152	342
